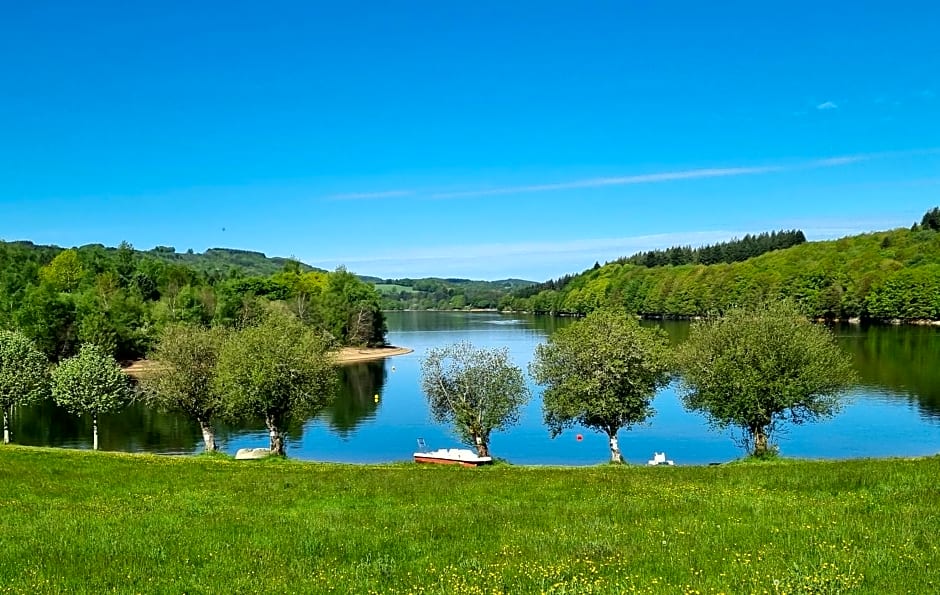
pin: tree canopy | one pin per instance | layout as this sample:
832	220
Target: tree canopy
24	375
279	371
755	368
877	276
184	375
601	372
479	391
121	298
90	383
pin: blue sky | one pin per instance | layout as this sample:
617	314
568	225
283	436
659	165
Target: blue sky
464	139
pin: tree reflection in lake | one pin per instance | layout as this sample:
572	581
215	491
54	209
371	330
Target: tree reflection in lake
355	402
135	428
905	360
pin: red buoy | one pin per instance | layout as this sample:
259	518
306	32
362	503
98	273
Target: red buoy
579	437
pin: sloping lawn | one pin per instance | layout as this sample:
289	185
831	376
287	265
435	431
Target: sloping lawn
83	522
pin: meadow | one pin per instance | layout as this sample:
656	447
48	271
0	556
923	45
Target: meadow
83	522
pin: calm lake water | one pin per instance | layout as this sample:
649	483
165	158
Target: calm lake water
895	410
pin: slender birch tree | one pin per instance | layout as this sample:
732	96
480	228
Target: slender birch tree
24	375
90	383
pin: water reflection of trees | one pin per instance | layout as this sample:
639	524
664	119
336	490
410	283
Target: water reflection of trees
355	401
135	428
901	359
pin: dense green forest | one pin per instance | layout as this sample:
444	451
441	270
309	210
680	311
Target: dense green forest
444	294
891	275
735	250
120	298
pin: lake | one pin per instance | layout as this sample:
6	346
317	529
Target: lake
894	411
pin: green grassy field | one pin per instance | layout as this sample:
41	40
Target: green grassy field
75	522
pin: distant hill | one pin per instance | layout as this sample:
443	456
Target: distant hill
222	260
216	261
446	294
889	275
397	294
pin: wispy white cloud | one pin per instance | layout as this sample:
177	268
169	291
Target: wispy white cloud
371	195
693	174
827	105
651	178
836	161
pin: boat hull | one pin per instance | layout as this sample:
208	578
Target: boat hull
464	458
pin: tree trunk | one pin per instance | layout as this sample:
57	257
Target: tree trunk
483	446
94	430
6	425
208	435
277	437
615	456
759	436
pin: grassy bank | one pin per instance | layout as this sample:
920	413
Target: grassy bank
95	522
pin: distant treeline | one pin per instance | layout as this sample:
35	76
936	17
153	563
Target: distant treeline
120	298
735	250
445	294
878	276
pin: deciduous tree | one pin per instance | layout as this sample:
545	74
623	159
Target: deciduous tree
279	370
90	383
24	376
755	368
184	375
477	390
601	372
64	273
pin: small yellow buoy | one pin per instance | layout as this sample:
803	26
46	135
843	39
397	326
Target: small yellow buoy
376	398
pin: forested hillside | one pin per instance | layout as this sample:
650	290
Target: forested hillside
445	294
880	276
735	250
226	260
120	298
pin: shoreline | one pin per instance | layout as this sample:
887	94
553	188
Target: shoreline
345	356
354	355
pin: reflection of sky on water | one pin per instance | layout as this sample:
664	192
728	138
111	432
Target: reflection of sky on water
875	421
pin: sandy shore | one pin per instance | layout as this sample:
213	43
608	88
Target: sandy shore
346	355
350	355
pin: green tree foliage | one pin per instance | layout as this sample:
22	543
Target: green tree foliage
90	383
350	310
931	219
121	298
279	371
601	372
183	379
877	276
64	273
24	377
734	250
49	319
755	368
479	391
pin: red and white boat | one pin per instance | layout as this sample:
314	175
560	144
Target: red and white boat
452	456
